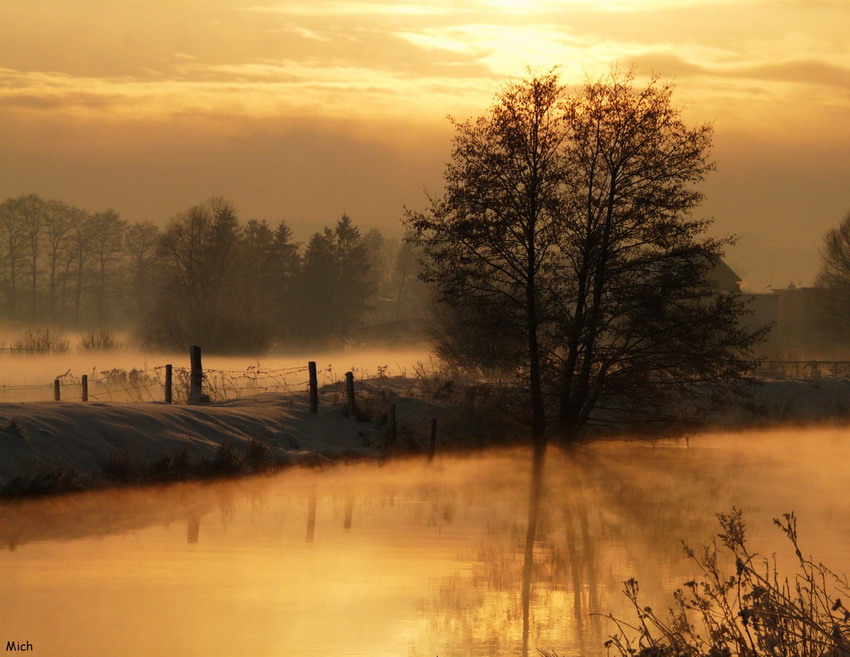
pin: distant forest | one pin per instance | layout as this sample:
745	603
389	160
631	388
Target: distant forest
208	277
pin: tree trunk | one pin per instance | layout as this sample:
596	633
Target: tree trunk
538	408
79	294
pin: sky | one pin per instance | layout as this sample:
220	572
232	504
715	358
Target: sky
307	109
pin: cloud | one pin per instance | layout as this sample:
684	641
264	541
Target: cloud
258	89
449	7
807	72
319	8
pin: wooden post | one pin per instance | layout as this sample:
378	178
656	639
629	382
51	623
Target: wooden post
432	445
349	392
56	394
194	529
197	376
393	427
349	510
85	385
314	387
311	518
169	373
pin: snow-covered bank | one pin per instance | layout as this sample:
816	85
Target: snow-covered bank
82	437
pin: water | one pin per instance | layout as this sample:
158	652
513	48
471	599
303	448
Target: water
406	558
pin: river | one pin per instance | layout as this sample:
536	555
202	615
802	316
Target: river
405	558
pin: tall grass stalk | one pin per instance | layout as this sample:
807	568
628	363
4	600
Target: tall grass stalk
753	611
41	341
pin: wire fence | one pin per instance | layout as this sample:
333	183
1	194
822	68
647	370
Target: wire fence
803	369
148	385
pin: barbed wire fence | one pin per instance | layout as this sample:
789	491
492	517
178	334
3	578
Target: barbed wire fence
803	369
148	385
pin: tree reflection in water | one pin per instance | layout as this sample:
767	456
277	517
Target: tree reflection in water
544	576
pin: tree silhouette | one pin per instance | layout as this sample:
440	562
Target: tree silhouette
335	282
834	275
566	220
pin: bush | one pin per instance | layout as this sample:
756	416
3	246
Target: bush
41	341
748	613
100	340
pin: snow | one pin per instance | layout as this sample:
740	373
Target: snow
82	436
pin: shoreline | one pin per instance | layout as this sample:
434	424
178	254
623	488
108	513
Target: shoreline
59	447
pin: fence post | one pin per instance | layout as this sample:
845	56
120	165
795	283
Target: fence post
314	387
349	511
168	380
432	445
311	518
349	392
85	385
194	529
56	394
393	427
197	375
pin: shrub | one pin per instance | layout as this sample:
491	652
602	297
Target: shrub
41	341
100	340
749	613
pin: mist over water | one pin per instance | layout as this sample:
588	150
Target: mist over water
406	557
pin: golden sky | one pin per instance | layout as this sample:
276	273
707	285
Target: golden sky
306	109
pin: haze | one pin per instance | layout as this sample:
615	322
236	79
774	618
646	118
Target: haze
304	111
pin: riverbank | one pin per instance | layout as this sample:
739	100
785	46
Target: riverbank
56	446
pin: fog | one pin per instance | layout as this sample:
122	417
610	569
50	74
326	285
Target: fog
30	377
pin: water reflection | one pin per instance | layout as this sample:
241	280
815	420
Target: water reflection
534	501
498	554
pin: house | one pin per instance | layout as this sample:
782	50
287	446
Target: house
800	327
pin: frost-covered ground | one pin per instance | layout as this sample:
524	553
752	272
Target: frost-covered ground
83	436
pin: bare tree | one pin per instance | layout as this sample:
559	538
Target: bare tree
202	298
108	231
639	320
567	219
58	220
491	239
141	241
13	245
834	275
82	242
32	211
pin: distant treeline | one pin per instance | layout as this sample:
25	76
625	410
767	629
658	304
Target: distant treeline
207	277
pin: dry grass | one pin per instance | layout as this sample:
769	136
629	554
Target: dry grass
751	612
41	341
100	340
